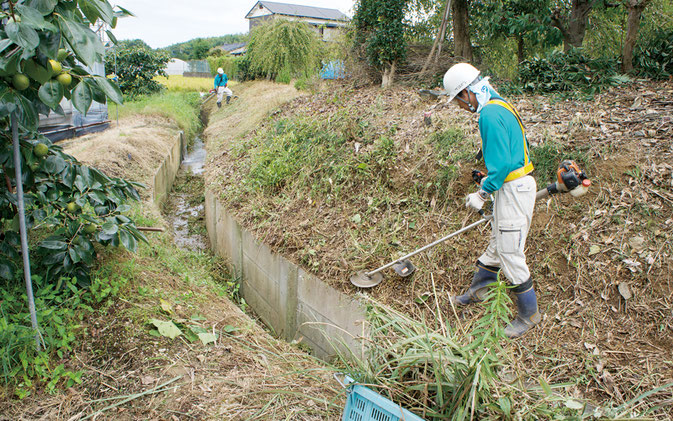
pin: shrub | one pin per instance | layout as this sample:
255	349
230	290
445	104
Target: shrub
654	57
567	71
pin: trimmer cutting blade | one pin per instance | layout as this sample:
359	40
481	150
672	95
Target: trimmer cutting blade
362	280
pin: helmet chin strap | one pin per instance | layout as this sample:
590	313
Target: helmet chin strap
469	105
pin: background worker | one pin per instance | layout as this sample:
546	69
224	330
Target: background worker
509	183
221	81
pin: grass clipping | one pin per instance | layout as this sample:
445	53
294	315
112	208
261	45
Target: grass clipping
463	372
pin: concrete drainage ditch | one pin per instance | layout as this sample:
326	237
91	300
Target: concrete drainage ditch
290	301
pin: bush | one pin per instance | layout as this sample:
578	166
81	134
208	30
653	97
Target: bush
654	57
227	62
283	47
136	67
568	71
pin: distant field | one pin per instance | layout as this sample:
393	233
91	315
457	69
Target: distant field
176	83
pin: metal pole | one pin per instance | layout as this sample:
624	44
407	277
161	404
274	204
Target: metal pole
22	228
441	240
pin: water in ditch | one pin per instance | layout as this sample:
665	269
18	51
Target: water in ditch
184	208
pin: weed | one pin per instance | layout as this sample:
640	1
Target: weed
546	158
59	309
183	108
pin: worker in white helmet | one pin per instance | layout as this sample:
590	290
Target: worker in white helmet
510	185
221	82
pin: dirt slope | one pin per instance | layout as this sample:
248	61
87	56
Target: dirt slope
602	263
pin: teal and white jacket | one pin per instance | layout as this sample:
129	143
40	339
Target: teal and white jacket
503	143
221	80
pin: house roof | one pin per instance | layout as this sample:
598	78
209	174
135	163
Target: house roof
300	11
232	47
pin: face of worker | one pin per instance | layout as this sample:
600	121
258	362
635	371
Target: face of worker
465	97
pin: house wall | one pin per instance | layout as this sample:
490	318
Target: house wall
327	33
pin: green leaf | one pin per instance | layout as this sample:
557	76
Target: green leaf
7	101
36	71
545	387
110	89
82	40
6	270
45	7
26	113
33	18
81	98
22	35
54	245
109	228
168	329
72	251
94	9
127	240
55	164
573	404
207	338
4	43
112	36
51	93
49	43
79	183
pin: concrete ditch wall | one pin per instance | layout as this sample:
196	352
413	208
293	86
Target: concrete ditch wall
293	303
165	175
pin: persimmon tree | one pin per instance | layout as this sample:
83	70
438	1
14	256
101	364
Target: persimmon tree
380	27
46	49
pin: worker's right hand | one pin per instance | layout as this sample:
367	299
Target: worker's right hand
475	201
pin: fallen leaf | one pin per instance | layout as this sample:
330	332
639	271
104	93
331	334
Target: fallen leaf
147	379
207	338
168	329
637	243
166	306
624	290
594	250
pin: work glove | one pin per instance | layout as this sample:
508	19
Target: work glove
475	201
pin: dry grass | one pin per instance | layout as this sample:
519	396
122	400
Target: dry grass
602	263
179	83
254	103
133	148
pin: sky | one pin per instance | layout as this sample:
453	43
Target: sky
161	23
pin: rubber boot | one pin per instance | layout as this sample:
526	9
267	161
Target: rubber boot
528	314
483	276
219	105
228	98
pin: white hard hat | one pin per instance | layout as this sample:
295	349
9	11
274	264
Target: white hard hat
220	70
459	77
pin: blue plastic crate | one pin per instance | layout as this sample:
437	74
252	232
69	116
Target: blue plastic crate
364	404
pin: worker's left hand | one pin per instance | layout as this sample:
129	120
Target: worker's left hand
475	201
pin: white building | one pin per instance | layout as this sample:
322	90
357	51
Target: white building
177	67
325	22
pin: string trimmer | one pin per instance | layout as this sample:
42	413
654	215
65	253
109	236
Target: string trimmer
569	179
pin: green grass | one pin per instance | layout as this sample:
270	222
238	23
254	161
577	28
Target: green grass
183	108
547	157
